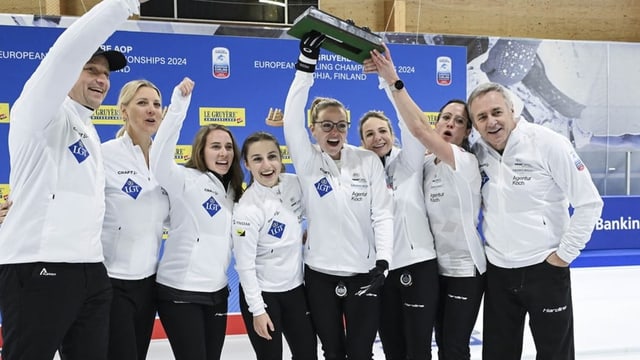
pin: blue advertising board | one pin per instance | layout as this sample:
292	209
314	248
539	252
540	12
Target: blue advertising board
239	82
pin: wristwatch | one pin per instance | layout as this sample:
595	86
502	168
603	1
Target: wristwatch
397	85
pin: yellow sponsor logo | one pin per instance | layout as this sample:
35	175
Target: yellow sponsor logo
433	117
107	115
4	193
222	116
4	113
309	116
182	154
286	157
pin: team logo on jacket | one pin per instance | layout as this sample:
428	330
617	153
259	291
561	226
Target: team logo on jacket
79	151
276	229
211	206
485	178
323	187
131	188
577	161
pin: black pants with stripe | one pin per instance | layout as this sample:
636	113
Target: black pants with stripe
460	299
544	292
289	313
55	306
133	313
346	325
408	311
195	331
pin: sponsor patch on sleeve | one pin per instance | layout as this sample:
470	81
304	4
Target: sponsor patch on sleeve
577	161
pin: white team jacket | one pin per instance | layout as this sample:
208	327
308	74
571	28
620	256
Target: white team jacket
453	204
412	237
197	252
526	193
137	207
57	172
349	210
267	239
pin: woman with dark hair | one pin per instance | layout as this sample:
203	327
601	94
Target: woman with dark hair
267	238
192	275
452	195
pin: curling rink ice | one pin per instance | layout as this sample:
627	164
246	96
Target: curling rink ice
606	312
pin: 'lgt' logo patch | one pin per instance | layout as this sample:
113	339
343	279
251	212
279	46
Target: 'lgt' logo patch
131	188
79	151
276	229
211	206
323	187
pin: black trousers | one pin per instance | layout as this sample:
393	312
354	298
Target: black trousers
460	299
346	325
133	312
289	313
408	311
544	292
195	331
54	306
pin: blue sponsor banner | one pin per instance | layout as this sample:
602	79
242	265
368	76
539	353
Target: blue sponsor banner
618	226
240	82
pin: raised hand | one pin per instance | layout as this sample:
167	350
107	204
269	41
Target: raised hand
186	86
382	64
310	51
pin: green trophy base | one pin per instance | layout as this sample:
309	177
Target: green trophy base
343	38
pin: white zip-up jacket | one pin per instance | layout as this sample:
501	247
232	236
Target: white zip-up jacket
526	194
57	172
137	208
453	204
267	239
349	210
412	238
197	252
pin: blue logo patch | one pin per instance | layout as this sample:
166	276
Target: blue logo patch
276	229
131	188
79	151
211	206
485	178
323	187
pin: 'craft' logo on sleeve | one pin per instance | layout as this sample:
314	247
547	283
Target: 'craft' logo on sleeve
222	116
79	151
131	188
211	206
